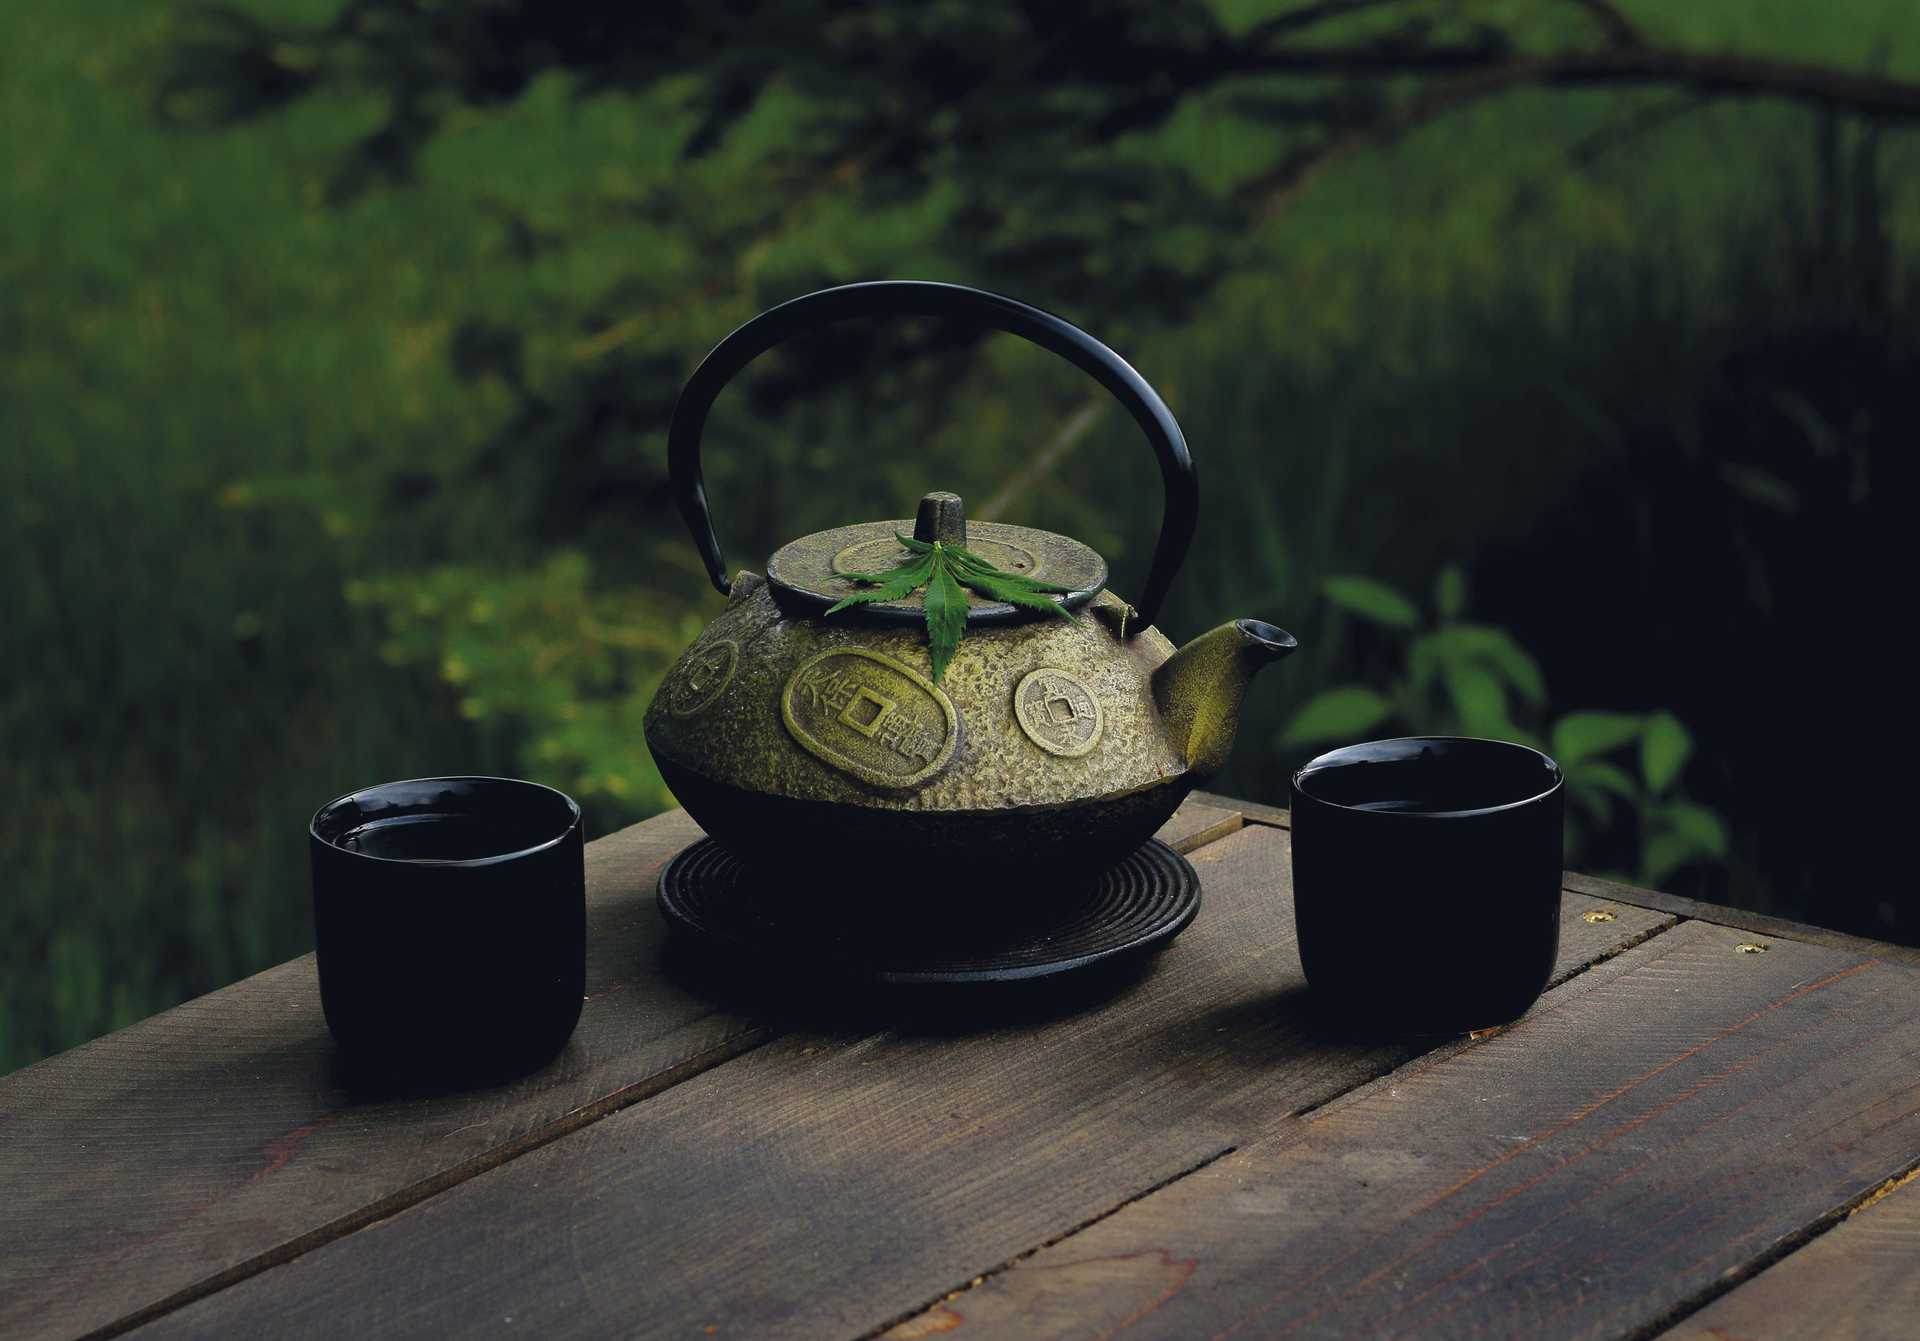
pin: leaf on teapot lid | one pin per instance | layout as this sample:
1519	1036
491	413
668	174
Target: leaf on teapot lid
943	570
889	586
1012	588
946	607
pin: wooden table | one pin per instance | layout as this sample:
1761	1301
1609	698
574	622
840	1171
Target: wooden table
1708	1127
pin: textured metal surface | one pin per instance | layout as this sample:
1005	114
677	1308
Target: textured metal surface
1133	908
1045	745
880	846
740	738
809	574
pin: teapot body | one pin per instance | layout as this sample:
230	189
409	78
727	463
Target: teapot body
807	728
795	739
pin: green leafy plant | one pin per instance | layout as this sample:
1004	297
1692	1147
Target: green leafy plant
1675	832
1465	678
558	668
943	570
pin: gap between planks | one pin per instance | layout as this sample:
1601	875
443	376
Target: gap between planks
1439	1052
1572	882
385	1208
1786	1247
1680	910
1449	1047
1088	1223
412	1195
1235	816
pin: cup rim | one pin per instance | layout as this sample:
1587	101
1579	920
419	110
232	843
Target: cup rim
1553	767
493	859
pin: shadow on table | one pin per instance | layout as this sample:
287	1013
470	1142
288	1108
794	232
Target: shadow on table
392	1080
822	1001
1285	1027
1269	1029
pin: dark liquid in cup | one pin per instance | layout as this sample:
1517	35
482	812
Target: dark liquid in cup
438	838
1427	777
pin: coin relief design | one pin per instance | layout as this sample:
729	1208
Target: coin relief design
700	676
871	717
1058	713
872	556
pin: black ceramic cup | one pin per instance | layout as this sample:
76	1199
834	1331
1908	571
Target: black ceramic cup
1426	881
450	924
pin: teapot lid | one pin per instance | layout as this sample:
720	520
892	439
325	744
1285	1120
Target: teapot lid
809	574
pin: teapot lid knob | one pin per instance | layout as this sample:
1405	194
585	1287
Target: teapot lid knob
942	517
817	572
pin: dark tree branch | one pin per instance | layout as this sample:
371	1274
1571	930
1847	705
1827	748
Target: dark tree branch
1592	148
1474	75
1271	190
1018	104
1872	96
1614	25
1618	28
1308	16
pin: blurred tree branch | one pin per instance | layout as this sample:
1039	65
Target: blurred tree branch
1479	73
1018	128
895	89
1617	27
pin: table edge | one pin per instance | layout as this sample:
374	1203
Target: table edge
1699	910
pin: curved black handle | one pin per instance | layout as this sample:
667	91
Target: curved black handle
923	298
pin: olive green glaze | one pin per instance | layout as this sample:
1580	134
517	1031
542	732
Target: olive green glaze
1050	743
1200	689
1047	744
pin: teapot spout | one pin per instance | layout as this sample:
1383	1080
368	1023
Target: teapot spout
1200	687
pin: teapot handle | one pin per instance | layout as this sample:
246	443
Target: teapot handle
924	298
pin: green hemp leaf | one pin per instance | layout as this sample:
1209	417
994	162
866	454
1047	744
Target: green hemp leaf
943	570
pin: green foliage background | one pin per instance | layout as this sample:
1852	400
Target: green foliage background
303	488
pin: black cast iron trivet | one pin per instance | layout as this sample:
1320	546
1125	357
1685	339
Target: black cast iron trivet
1130	910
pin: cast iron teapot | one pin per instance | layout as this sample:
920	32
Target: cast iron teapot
820	720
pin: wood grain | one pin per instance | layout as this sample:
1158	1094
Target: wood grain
156	1162
1197	823
1662	1120
830	1182
1254	812
1593	887
1860	1281
216	1139
1761	924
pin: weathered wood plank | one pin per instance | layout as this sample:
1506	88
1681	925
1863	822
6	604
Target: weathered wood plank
1254	812
1860	1281
828	1183
205	1144
155	1163
1593	887
1198	823
1651	1126
1761	923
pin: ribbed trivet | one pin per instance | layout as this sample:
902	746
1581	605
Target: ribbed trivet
1131	909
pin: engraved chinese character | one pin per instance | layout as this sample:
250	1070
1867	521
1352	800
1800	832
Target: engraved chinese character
919	742
831	690
706	668
893	729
